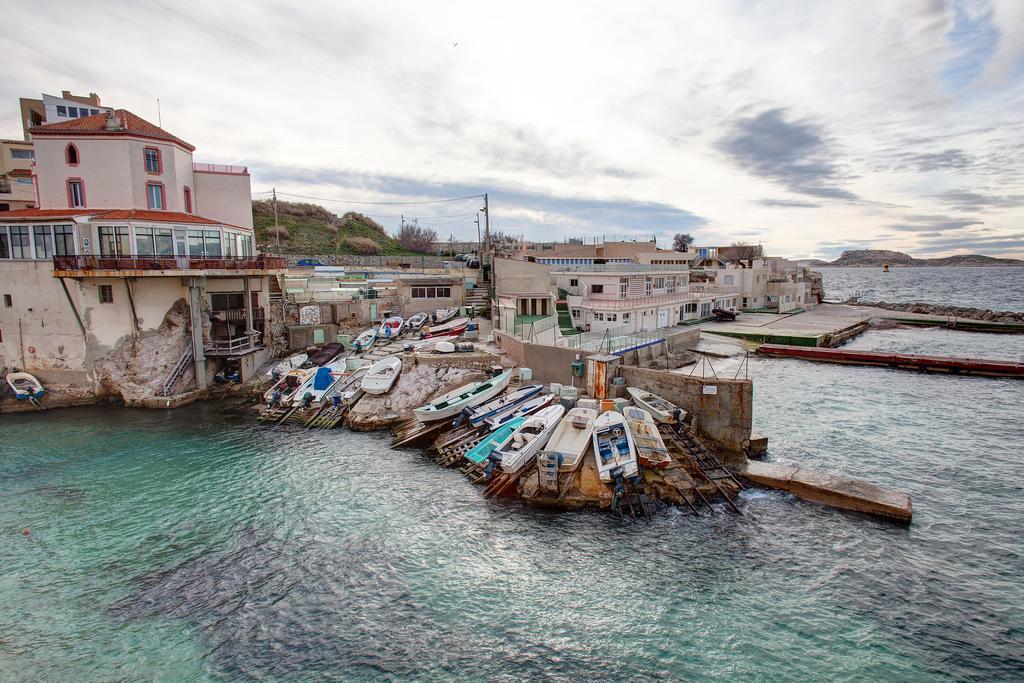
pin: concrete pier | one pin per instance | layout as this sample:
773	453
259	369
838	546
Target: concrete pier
832	490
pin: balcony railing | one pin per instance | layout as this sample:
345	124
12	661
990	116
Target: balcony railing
234	345
694	294
166	263
220	168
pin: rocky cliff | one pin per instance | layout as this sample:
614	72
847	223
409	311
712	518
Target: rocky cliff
876	258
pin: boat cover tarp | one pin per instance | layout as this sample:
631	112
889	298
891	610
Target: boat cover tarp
323	379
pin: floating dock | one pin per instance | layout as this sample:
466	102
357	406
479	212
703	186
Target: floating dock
903	361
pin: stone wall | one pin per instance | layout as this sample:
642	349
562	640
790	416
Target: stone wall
724	417
548	363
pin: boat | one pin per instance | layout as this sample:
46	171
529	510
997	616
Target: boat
650	447
415	321
528	439
318	383
478	453
452	403
25	386
572	437
444	347
614	451
443	314
476	415
428	344
287	364
522	410
663	411
382	375
391	327
285	388
364	341
324	355
457	326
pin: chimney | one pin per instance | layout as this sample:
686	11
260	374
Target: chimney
113	122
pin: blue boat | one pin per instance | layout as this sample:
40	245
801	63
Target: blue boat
478	453
496	406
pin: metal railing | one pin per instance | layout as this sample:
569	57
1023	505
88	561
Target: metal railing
220	168
234	345
166	263
612	268
614	339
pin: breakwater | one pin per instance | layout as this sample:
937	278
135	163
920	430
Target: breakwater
986	315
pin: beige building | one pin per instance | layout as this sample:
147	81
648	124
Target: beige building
17	189
57	109
137	274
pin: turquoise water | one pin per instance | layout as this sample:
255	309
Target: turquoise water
193	545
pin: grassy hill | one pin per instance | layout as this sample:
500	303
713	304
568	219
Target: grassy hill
312	229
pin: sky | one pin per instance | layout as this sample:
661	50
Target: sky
808	127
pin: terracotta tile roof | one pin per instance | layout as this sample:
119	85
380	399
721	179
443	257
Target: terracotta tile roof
141	215
21	172
134	126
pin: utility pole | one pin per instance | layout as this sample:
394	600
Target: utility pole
487	226
479	246
277	228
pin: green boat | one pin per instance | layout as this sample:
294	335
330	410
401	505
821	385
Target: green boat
478	453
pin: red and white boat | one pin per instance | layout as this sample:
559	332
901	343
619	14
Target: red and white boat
454	328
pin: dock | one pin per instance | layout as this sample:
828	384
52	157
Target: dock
903	361
832	490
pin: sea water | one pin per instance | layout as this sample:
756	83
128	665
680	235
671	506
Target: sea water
997	288
194	545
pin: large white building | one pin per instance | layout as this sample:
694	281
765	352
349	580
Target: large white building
128	232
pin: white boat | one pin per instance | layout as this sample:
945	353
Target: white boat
451	327
391	327
429	343
650	447
415	321
528	440
382	375
614	451
663	411
444	347
25	386
476	415
572	437
444	314
523	409
364	341
319	383
452	403
287	364
283	391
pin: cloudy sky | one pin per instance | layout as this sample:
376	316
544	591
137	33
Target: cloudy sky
809	127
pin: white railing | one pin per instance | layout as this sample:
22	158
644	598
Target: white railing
220	168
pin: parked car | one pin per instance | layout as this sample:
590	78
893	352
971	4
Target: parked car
309	262
473	263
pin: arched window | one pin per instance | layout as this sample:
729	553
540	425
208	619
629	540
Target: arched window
71	155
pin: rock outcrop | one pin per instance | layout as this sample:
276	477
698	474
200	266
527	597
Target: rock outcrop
986	315
415	387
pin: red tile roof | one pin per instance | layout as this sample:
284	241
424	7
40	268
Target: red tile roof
132	126
21	172
141	215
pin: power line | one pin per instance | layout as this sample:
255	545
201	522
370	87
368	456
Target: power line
349	201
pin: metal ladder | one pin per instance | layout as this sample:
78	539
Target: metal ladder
176	374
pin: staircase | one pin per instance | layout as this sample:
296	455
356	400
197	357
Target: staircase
176	374
565	323
276	294
477	297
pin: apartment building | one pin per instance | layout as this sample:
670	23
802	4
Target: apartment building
132	247
54	109
17	190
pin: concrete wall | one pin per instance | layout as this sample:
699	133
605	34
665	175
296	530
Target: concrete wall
548	363
724	417
513	276
224	197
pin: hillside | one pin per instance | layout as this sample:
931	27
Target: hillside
876	258
312	229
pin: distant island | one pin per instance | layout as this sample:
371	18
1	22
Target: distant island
876	258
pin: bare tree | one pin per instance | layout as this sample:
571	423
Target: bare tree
740	251
416	238
682	241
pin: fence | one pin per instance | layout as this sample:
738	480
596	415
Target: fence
380	261
614	340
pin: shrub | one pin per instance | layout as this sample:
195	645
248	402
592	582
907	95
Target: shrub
279	231
355	217
416	238
361	245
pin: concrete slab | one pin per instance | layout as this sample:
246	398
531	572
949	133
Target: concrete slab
833	490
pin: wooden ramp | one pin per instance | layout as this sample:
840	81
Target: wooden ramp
709	466
413	431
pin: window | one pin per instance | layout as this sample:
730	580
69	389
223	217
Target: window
229	244
22	154
598	316
115	241
8	302
43	241
576	313
71	155
647	286
63	240
73	112
625	317
76	193
93	112
152	156
5	249
204	243
62	110
612	317
154	242
212	240
574	282
155	195
728	279
227	301
623	287
188	199
106	294
431	292
597	289
20	247
247	246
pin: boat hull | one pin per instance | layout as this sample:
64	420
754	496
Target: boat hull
452	403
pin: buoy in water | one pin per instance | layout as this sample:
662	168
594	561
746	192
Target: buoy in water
25	531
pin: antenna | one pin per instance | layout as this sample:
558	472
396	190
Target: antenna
159	118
